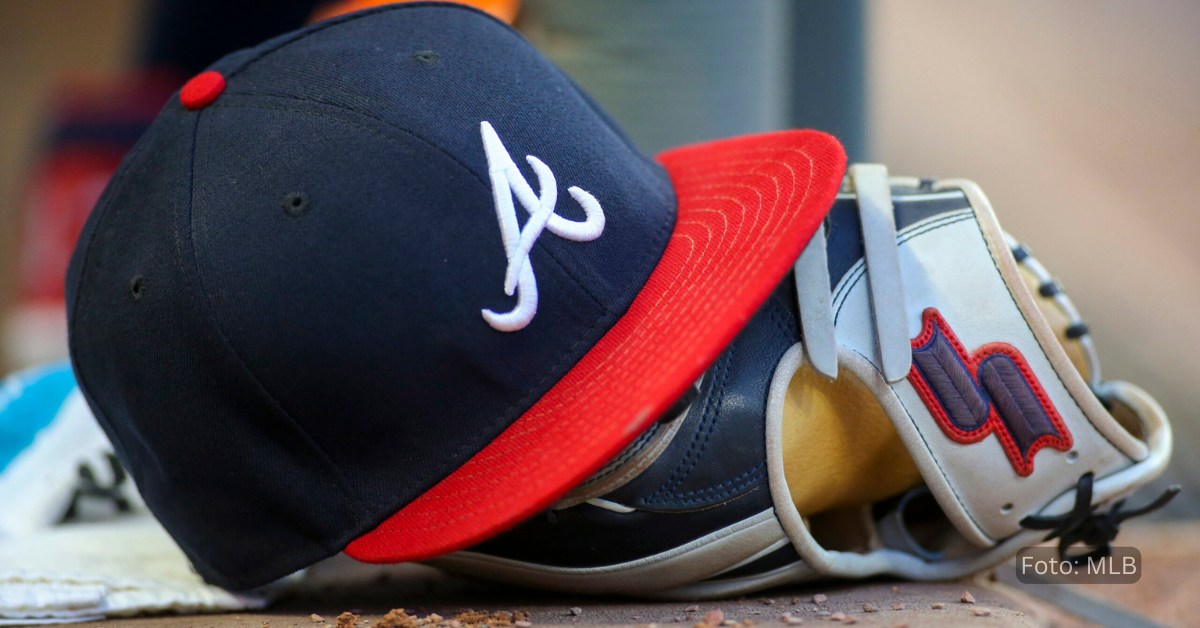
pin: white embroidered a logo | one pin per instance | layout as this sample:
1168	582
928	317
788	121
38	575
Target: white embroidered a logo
518	242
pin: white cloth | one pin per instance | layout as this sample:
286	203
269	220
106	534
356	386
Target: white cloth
87	571
108	561
38	486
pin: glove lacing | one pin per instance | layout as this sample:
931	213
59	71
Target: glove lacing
1095	530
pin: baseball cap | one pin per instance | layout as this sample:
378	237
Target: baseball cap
393	283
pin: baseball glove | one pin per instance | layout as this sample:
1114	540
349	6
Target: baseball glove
921	399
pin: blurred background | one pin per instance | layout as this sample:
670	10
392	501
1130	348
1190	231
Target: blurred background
1079	118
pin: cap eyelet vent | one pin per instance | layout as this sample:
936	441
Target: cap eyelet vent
428	57
295	204
137	287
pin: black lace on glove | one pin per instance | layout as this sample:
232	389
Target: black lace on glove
1095	530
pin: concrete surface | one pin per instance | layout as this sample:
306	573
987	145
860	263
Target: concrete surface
427	592
1165	594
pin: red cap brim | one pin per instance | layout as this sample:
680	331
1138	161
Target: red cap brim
746	208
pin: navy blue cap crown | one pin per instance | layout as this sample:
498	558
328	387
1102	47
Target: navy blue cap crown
279	309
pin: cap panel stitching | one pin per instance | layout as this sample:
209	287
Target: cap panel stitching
104	209
216	323
286	40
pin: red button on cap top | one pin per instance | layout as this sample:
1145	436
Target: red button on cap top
202	90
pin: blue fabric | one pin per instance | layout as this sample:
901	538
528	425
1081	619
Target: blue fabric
29	401
279	380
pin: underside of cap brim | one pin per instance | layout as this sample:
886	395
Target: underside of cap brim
747	206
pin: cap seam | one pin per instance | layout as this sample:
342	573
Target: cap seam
346	19
115	186
317	28
553	70
105	211
216	323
